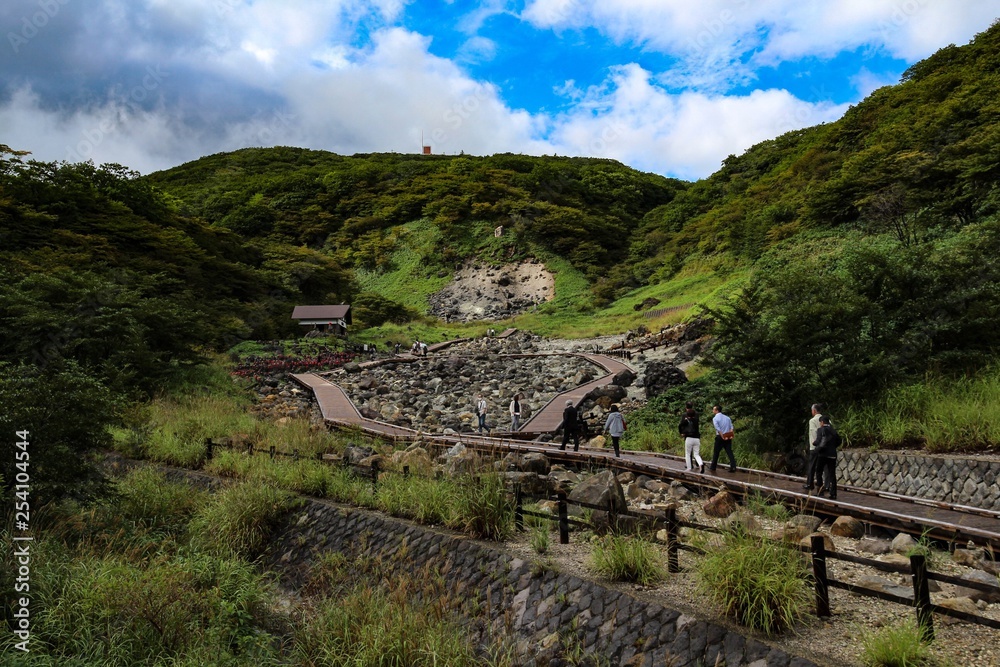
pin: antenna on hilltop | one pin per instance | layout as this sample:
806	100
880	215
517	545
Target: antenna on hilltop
424	148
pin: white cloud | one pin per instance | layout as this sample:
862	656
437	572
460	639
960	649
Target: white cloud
686	135
714	38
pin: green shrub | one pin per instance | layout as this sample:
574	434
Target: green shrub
900	645
237	520
763	584
483	508
627	558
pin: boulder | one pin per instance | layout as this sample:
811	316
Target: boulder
661	376
874	546
847	526
720	505
884	585
656	486
354	455
535	462
624	378
352	367
806	520
531	483
679	492
903	543
416	458
612	392
602	490
989	596
828	544
968	557
957	604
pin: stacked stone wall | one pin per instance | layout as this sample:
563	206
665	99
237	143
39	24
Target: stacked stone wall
541	607
960	481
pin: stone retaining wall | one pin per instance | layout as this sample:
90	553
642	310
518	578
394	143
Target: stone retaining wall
954	480
543	608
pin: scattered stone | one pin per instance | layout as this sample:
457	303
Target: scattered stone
661	376
743	521
847	526
720	505
602	490
962	604
874	546
827	541
535	462
903	543
968	557
975	594
810	522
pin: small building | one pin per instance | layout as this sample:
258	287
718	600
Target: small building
327	319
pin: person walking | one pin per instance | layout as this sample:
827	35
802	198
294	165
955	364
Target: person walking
827	440
814	468
481	408
692	438
615	427
515	412
723	438
571	426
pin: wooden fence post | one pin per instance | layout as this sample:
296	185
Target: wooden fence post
673	537
271	451
518	508
208	449
922	595
295	455
374	476
819	573
563	519
406	471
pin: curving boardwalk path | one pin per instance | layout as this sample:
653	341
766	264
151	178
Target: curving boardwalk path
915	515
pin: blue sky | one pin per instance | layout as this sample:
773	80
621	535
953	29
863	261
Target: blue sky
668	86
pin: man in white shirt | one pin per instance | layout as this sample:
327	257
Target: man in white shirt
814	471
481	412
723	438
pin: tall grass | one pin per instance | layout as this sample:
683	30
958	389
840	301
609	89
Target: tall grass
627	558
943	414
483	508
237	520
762	584
900	645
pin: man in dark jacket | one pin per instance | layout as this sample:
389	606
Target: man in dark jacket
827	440
571	427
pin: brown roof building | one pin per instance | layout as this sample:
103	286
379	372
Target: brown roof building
328	319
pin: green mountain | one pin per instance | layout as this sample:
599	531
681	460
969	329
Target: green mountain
840	262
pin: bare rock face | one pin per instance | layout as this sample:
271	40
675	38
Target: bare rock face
481	292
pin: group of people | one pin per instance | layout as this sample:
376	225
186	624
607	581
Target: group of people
690	429
418	349
823	438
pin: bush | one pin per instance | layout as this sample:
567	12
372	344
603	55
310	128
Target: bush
626	558
236	521
900	645
763	584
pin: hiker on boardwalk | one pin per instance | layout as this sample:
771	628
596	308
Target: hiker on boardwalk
481	412
692	438
515	412
827	440
615	427
723	438
814	467
571	426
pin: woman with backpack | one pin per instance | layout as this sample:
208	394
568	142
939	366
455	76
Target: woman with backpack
827	440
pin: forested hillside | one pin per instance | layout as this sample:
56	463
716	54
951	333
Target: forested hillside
354	208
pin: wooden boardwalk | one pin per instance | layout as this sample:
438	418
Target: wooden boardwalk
549	418
915	515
